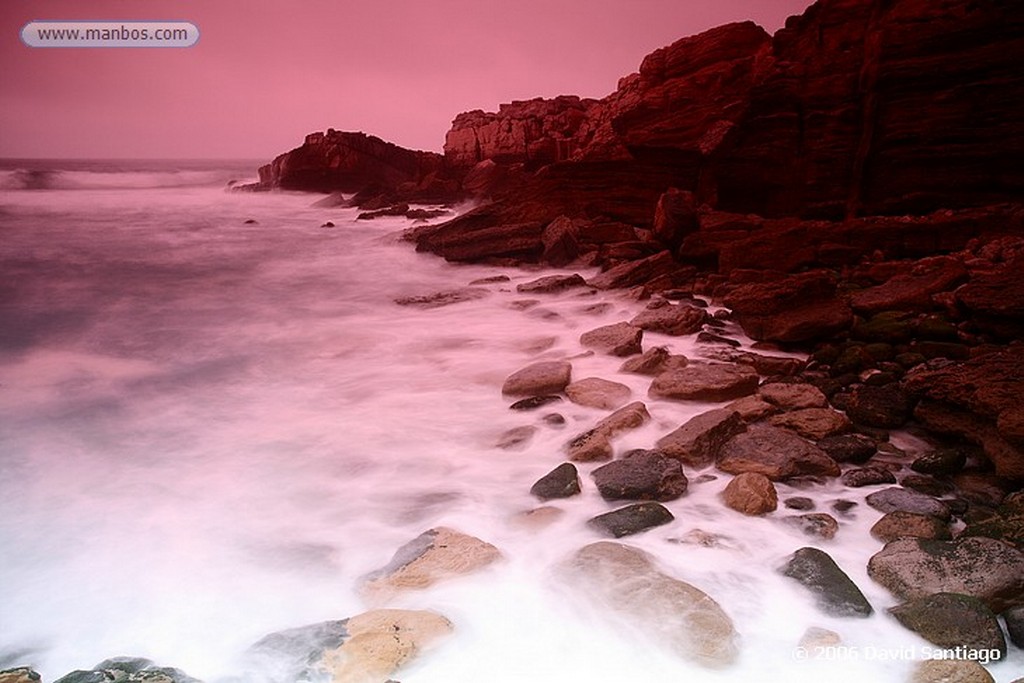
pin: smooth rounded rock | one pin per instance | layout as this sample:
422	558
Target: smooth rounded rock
620	339
595	392
706	382
545	377
751	493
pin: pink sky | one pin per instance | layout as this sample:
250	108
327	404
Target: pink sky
266	73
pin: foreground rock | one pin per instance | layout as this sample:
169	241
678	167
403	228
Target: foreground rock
951	671
21	674
366	648
620	339
595	392
900	524
952	620
836	594
705	382
983	568
561	482
631	519
134	669
641	475
596	444
545	377
433	556
776	453
675	614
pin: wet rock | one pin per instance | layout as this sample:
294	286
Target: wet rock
952	620
929	486
433	556
705	382
752	408
797	308
950	671
896	498
440	299
799	503
492	280
1014	618
633	273
551	284
816	524
673	613
624	419
515	438
671	319
328	224
836	594
128	670
620	339
812	423
793	396
843	508
653	361
641	475
868	476
751	493
944	461
887	406
595	392
704	539
561	482
709	338
698	442
537	518
776	453
631	519
987	569
590	446
815	639
855	448
899	524
545	377
561	240
1007	524
911	290
535	402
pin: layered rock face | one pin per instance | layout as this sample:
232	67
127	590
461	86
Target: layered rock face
349	162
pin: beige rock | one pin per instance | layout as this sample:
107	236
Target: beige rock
816	637
813	423
676	614
19	675
538	518
705	382
433	556
381	641
620	339
545	377
950	671
595	392
793	396
751	493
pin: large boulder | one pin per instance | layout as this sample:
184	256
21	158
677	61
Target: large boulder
641	475
952	620
984	568
537	379
911	290
595	392
631	519
673	613
776	453
705	382
751	493
671	319
620	339
797	308
433	556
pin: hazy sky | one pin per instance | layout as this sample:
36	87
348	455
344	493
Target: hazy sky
265	73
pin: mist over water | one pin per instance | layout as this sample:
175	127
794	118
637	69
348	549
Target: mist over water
209	430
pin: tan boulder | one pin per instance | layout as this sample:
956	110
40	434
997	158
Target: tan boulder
380	642
751	493
595	392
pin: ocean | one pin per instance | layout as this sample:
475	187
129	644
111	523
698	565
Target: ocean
215	418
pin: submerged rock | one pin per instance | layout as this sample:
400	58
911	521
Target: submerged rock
676	614
595	392
433	556
551	284
440	299
836	594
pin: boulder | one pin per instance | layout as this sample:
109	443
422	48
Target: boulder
697	442
952	620
675	217
633	273
776	453
900	524
752	408
595	392
751	493
641	475
812	423
987	569
797	308
705	382
836	594
596	444
653	362
855	448
675	614
1007	524
631	519
671	319
561	482
560	240
545	377
905	500
620	339
912	290
793	396
433	556
816	524
1014	618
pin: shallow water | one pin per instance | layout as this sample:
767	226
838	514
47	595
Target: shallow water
209	430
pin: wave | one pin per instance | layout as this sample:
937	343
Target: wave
51	179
